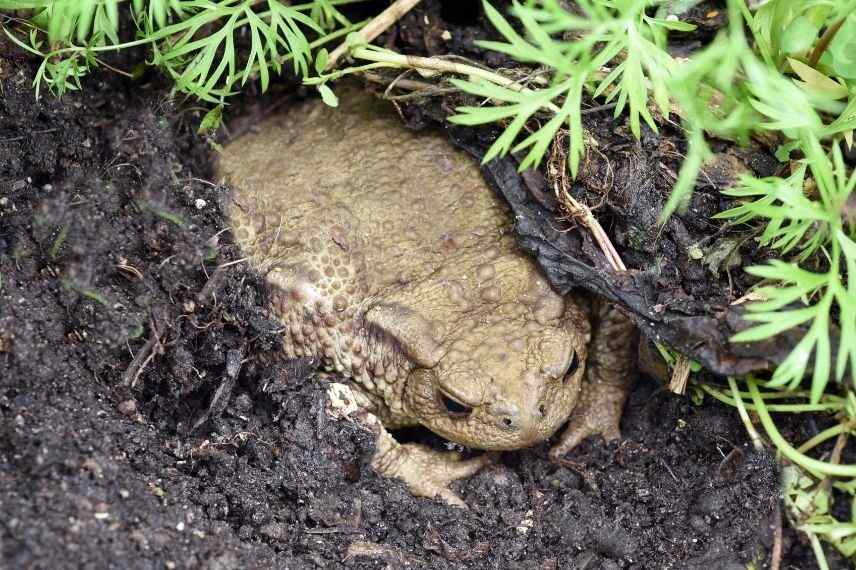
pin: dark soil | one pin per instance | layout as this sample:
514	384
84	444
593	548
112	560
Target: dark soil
140	427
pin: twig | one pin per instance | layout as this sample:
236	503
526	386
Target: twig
776	554
417	89
838	448
142	359
408	84
598	109
375	28
680	375
114	69
557	170
391	59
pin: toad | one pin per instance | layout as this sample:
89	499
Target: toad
390	259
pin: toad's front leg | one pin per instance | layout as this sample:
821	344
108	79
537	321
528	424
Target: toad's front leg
607	381
426	472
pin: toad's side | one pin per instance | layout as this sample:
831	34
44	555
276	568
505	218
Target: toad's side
390	259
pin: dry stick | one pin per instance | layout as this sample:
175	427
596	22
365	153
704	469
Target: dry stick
581	212
577	210
375	28
141	360
680	375
776	554
392	59
420	87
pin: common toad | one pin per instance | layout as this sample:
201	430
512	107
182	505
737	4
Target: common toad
390	259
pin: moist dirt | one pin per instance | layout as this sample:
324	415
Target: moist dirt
143	426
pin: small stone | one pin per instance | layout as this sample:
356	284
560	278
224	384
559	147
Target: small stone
128	407
93	467
233	362
274	531
243	403
200	203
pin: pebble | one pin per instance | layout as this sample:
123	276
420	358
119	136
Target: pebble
128	407
274	531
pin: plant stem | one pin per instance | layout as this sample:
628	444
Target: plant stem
819	556
441	65
824	435
744	416
808	463
824	42
785	408
376	27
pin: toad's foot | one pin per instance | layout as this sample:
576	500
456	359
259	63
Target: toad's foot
608	379
598	412
427	473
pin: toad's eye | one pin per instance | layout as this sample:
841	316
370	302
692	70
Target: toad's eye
454	407
574	366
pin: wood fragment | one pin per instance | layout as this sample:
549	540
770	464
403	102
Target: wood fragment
557	170
374	28
680	375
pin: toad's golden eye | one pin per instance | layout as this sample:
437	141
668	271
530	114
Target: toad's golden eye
455	408
574	366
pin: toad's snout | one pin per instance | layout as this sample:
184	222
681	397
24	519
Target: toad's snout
523	423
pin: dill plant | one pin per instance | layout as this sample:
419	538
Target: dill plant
575	48
192	41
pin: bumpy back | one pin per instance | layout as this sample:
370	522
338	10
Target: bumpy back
409	202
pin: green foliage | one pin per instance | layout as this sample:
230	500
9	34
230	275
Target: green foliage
193	41
807	482
809	506
808	222
734	88
618	35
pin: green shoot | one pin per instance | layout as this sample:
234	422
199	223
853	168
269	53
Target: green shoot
809	223
193	41
619	36
806	480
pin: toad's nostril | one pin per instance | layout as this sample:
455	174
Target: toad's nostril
542	410
507	422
